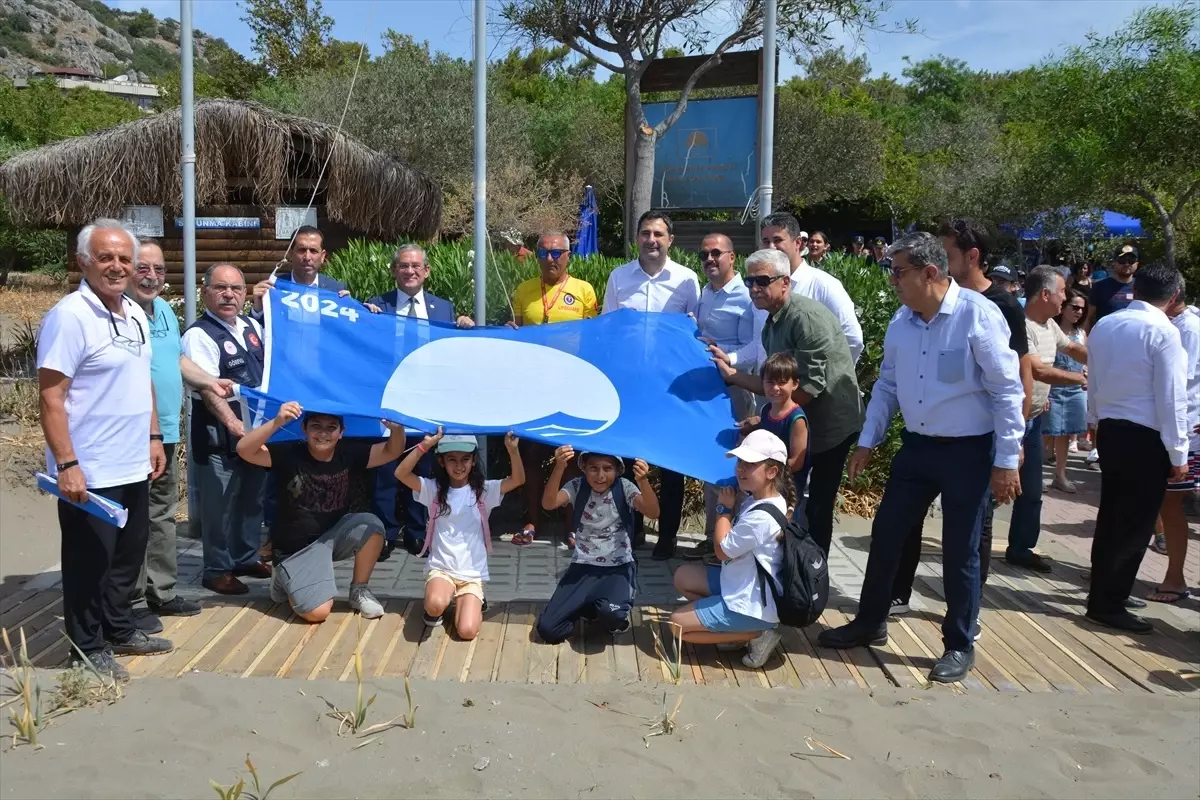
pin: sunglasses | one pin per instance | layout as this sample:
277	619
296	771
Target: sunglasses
715	255
1077	308
763	281
1127	260
554	254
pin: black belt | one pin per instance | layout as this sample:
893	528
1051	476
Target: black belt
950	439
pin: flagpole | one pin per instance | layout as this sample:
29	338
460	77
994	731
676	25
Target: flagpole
187	135
481	241
766	133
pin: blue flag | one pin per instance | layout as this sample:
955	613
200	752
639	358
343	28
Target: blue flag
628	384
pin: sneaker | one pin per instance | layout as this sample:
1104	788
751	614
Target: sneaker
1073	447
278	592
1093	459
731	647
899	608
1029	560
147	621
139	644
433	622
177	607
362	601
623	628
1159	545
760	648
105	664
976	630
1063	485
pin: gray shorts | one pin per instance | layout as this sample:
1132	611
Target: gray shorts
307	575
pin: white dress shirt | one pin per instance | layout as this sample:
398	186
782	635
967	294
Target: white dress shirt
1137	371
316	279
200	347
416	309
817	284
953	376
675	289
1188	324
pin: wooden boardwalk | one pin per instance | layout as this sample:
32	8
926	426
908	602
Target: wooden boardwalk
1034	640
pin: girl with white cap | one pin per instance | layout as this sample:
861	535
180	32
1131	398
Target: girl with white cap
731	604
457	539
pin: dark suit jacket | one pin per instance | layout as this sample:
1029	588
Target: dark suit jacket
323	282
439	310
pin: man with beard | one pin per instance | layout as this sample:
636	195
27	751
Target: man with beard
1116	291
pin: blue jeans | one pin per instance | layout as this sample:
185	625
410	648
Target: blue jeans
1026	523
231	493
389	491
959	469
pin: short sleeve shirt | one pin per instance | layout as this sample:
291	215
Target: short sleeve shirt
1110	295
601	539
164	369
1045	340
1014	315
458	548
311	495
752	538
536	303
107	357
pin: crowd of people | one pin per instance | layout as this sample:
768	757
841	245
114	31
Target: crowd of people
980	378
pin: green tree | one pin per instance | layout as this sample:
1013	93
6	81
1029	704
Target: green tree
142	24
291	37
223	72
1118	118
624	37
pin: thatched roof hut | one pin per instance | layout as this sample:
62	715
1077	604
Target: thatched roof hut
239	145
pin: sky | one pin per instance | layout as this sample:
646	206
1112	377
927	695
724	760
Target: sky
992	35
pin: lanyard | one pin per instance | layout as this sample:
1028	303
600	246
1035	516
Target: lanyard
547	306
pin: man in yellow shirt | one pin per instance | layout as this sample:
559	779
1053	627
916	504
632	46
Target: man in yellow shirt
553	296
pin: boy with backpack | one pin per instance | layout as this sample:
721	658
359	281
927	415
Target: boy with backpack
600	582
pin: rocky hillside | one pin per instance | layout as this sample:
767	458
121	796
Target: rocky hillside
88	35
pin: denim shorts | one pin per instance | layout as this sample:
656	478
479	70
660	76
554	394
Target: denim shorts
717	617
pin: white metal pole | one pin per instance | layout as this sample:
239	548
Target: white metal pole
188	139
481	239
766	133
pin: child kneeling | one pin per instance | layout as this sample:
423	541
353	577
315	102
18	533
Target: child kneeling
313	524
457	537
731	604
599	583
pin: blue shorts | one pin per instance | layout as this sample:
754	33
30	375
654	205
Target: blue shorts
717	617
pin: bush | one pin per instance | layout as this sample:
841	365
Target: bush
364	266
106	44
153	59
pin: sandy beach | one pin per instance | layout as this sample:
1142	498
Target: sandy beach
167	738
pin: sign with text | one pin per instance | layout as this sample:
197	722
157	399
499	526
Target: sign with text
210	223
709	157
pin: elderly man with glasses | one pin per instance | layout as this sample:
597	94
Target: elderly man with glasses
102	437
553	296
226	344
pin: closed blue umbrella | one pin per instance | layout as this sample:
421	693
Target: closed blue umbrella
587	239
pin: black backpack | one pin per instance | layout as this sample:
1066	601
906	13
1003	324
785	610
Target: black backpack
624	512
805	574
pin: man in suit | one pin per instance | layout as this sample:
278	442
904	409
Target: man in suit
410	268
306	257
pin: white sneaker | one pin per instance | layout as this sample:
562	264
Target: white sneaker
362	601
760	649
1073	447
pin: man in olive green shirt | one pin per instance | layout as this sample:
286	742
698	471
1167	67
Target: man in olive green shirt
828	391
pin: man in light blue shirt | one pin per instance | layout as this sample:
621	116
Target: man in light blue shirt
948	369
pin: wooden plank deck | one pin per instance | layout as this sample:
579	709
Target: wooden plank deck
1034	641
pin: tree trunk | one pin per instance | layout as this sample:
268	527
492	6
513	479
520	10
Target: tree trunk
643	178
1169	242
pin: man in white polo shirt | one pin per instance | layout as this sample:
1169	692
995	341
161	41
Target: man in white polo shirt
782	232
102	436
654	283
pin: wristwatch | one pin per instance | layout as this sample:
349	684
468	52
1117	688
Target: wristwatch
156	437
66	465
723	511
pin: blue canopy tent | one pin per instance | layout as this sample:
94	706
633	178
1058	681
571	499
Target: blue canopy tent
587	239
1110	225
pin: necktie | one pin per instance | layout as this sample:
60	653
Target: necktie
412	307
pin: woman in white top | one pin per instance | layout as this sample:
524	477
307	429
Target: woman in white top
730	604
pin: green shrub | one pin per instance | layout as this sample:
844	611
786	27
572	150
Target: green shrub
104	43
153	59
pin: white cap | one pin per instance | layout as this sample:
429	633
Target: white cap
457	443
803	235
759	446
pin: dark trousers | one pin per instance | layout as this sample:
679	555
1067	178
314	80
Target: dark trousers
670	504
100	567
1026	522
394	503
604	594
910	558
824	479
1134	467
959	469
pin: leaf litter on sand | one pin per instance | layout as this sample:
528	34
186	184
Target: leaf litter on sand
829	751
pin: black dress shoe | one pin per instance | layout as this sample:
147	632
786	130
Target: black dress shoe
1030	561
177	607
147	621
663	552
413	545
139	644
853	634
953	666
1134	602
1122	621
386	552
259	569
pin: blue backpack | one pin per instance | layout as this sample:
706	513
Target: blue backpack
624	511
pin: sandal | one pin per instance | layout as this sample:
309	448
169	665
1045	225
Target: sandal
526	536
1168	596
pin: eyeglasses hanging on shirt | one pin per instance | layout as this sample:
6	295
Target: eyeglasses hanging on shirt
126	343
